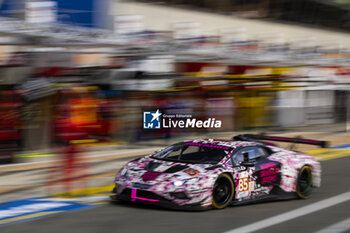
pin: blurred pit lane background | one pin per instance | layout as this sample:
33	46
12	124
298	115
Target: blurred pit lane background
86	70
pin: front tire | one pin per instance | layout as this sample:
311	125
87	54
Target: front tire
304	182
223	192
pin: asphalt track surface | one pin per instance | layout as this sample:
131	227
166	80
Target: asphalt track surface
140	218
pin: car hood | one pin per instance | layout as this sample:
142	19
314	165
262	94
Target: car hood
183	170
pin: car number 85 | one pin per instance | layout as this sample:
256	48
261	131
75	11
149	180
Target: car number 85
243	184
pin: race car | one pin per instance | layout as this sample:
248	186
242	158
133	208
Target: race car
212	173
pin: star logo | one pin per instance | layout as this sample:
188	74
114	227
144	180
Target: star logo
151	120
156	115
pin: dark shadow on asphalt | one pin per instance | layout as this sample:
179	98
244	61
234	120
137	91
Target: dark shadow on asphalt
145	206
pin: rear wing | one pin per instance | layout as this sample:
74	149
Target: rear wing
258	137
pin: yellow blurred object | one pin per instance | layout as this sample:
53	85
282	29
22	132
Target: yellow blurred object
83	141
34	155
252	110
88	88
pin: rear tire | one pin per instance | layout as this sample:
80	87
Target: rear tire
304	182
223	192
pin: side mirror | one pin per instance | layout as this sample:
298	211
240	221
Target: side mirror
245	157
247	164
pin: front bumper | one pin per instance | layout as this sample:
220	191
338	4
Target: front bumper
148	197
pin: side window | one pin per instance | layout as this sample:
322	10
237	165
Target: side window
238	157
253	154
182	150
170	152
263	151
190	149
174	154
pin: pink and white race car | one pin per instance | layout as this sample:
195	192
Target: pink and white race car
205	173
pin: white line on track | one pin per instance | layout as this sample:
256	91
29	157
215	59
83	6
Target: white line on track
293	214
337	228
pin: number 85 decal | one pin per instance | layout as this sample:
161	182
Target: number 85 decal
243	184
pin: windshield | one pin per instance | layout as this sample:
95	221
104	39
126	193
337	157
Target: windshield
193	153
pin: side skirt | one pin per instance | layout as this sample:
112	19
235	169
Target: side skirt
275	195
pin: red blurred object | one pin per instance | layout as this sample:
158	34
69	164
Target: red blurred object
74	167
10	125
78	117
77	121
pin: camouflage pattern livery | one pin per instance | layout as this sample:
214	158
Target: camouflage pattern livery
271	173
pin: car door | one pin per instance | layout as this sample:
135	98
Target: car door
244	172
256	175
267	172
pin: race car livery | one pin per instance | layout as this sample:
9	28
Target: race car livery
206	173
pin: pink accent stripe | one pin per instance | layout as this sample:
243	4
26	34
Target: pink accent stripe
146	199
134	197
207	145
229	159
133	194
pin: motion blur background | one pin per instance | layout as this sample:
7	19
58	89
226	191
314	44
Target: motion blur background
86	69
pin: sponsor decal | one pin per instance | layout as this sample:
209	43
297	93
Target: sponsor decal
268	165
252	186
157	120
191	171
269	173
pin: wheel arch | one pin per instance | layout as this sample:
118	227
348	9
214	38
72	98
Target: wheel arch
228	175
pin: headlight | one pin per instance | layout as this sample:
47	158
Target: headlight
186	181
178	183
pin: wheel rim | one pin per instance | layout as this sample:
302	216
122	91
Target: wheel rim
304	181
222	191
